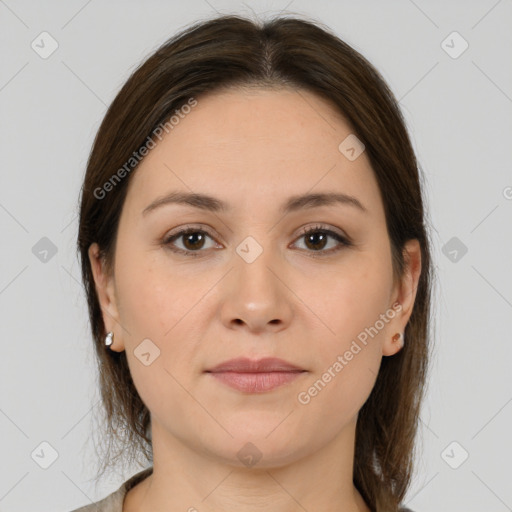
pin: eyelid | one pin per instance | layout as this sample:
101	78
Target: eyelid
189	227
322	227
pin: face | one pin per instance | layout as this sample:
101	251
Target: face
246	281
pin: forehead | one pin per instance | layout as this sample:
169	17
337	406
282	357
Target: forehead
261	144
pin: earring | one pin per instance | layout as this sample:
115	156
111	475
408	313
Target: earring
399	337
109	339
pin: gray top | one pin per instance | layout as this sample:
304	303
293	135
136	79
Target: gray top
114	502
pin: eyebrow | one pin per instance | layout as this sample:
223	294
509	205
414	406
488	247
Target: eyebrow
292	204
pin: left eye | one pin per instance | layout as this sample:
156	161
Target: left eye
193	240
318	237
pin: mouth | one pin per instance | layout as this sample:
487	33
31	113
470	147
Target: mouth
255	376
256	382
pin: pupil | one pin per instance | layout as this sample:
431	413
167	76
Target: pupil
313	237
190	238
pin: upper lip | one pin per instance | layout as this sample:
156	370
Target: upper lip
246	365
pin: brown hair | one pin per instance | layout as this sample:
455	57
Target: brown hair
231	51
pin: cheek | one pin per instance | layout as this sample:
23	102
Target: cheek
350	353
154	303
160	303
153	295
346	369
334	395
145	298
354	302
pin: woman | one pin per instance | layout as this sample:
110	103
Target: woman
257	267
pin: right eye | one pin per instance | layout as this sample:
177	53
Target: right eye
192	239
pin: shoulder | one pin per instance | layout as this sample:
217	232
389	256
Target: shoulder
114	501
404	509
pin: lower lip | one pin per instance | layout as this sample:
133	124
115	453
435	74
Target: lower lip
256	382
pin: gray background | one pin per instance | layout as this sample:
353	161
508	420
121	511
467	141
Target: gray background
458	112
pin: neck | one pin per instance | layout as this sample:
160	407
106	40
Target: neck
191	479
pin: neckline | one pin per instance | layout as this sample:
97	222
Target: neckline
137	478
129	484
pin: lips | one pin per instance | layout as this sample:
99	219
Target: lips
255	376
245	365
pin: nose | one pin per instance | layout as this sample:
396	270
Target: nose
255	295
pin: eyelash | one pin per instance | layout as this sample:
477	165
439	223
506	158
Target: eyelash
344	242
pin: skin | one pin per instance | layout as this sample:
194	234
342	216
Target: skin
253	149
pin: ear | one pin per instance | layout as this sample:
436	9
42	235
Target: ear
404	295
105	289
